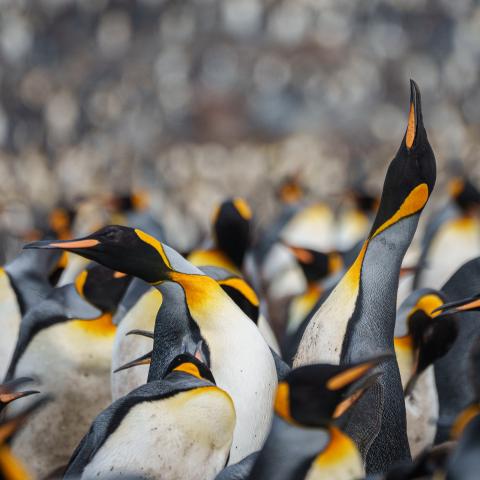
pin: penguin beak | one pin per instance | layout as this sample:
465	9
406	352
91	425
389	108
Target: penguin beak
464	305
70	245
301	255
141	333
143	360
411	133
356	381
7	397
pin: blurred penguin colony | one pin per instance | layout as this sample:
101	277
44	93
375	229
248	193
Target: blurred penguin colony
324	330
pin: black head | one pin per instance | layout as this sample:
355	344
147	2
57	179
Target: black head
364	200
231	228
190	364
411	175
291	190
313	394
464	193
316	265
120	248
102	287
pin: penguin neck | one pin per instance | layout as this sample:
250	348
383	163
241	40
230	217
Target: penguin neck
102	326
339	459
406	361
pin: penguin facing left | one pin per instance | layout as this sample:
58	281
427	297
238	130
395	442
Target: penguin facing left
236	352
65	342
178	426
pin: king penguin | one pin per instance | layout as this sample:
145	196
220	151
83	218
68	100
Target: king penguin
306	440
177	426
65	342
421	337
358	317
236	352
23	283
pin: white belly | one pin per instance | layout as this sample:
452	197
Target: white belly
422	413
127	348
187	436
243	366
76	371
9	321
267	333
456	242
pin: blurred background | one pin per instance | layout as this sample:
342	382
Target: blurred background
193	101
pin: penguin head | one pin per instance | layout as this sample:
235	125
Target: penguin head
9	394
429	335
231	228
60	221
124	249
290	190
464	193
128	202
316	265
313	395
102	287
191	365
412	173
364	201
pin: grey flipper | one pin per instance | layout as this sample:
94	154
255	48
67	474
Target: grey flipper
135	291
239	471
282	368
28	273
455	391
106	423
62	304
175	331
288	452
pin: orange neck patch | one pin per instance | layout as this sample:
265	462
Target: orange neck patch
100	327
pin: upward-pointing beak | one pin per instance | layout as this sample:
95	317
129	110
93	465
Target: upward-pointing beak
413	116
81	243
463	305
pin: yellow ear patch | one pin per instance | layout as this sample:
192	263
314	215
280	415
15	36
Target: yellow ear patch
282	401
348	376
415	201
152	241
243	287
80	282
428	303
63	261
463	419
455	187
243	208
189	368
302	255
411	129
10	466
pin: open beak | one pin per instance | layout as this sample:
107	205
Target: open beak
356	379
463	305
141	333
143	360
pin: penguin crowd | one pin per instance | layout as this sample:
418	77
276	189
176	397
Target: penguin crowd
313	347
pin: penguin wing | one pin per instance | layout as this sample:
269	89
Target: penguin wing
281	367
29	273
107	422
239	471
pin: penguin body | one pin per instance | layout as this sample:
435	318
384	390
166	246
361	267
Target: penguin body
177	427
233	347
71	359
358	318
23	283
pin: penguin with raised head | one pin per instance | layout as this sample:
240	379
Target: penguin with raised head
177	426
65	342
358	317
421	337
306	440
23	283
235	351
452	372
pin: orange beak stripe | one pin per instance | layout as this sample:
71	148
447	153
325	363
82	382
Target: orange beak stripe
88	243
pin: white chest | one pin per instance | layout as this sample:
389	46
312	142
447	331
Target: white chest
185	436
